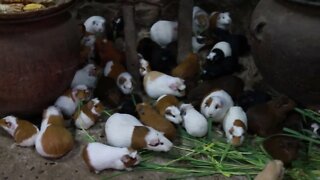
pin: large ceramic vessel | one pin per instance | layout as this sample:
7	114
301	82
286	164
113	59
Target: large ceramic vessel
39	56
285	39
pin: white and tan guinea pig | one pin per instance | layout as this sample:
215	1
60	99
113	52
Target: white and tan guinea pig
118	72
86	76
157	84
95	24
200	20
124	130
89	114
70	100
98	157
274	170
150	117
23	132
193	121
216	104
54	140
235	125
164	32
220	20
167	106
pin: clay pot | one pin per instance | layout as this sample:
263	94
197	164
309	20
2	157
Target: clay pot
39	56
285	43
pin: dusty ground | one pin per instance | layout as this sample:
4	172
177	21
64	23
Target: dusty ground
24	163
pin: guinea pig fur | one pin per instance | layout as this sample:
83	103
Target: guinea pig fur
128	107
188	68
200	20
23	132
265	119
54	140
220	20
167	106
98	157
68	102
250	98
150	117
95	24
106	51
164	32
86	76
124	130
193	121
274	170
117	72
216	104
89	114
235	125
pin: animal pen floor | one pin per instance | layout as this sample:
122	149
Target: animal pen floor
24	163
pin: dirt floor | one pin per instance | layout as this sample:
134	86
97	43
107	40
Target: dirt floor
24	163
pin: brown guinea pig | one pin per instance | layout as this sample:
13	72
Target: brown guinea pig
107	51
150	117
283	148
188	68
265	119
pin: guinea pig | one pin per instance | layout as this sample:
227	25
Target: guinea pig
164	32
95	24
188	68
23	132
221	20
98	157
167	106
117	28
68	102
231	84
274	170
108	92
54	140
265	119
127	106
117	72
157	84
106	51
216	104
86	76
235	125
283	148
200	20
89	114
250	98
87	46
150	117
124	130
193	121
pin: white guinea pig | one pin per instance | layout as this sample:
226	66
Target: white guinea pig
235	125
216	104
195	123
95	24
124	130
164	32
86	76
98	157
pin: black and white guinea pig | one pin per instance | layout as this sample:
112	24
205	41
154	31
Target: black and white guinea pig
116	29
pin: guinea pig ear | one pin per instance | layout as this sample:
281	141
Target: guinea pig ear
90	104
173	86
122	80
125	159
168	112
208	102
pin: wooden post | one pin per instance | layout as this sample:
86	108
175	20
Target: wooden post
130	42
184	29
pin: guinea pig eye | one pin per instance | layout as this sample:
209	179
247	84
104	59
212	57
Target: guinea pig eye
216	107
8	124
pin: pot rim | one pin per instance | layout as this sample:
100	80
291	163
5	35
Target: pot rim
306	2
37	15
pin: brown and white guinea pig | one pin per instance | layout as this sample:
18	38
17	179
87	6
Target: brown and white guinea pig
231	84
200	20
164	32
118	72
193	121
124	130
157	84
23	132
274	170
188	68
216	104
89	114
235	125
107	51
70	100
220	20
86	76
98	157
54	140
266	118
150	117
167	106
